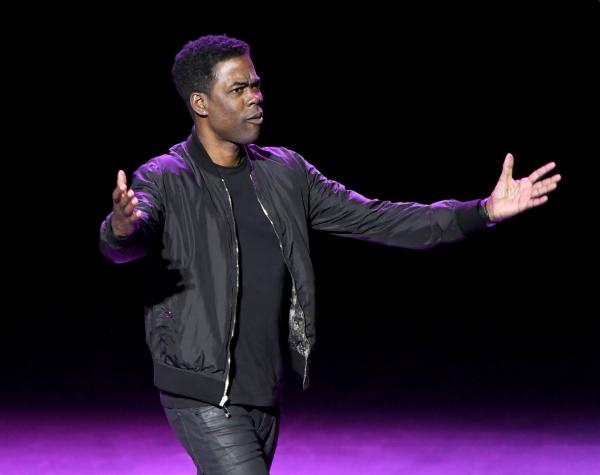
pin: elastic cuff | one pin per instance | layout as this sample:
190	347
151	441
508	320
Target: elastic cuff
483	212
108	236
468	217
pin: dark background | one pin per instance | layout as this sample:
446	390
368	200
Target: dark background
407	105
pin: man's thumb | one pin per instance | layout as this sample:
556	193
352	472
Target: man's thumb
121	179
507	166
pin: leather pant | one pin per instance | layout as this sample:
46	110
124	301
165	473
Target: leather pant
243	444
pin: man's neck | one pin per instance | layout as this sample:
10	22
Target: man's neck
226	154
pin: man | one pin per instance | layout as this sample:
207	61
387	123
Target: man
224	226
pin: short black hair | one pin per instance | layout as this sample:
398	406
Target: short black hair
193	67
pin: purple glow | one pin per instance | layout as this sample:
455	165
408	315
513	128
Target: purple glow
139	442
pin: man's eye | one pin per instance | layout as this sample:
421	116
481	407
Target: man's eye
237	90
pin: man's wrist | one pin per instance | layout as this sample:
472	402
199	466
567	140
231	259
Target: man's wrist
116	235
484	213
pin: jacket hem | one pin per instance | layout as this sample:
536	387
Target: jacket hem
188	383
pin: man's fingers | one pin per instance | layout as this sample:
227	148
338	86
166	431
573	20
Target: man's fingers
540	172
545	186
121	186
134	216
549	181
537	201
121	197
116	195
129	209
124	199
543	191
125	214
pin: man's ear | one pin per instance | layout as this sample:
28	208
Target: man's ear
198	102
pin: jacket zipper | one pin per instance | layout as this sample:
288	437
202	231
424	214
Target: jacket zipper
225	397
288	267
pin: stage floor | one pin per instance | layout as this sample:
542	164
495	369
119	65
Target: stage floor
327	439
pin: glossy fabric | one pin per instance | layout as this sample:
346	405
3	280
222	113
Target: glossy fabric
243	444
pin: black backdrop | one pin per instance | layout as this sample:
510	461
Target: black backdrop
416	105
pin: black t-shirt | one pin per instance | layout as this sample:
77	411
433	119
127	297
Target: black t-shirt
259	345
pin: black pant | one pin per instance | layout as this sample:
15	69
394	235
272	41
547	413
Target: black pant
243	444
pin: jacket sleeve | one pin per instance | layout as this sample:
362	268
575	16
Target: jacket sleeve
334	209
145	184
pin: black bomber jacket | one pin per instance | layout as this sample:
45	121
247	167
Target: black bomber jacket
187	234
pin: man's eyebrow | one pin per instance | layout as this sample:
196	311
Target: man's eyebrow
256	82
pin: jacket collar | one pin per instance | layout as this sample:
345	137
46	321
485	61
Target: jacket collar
199	154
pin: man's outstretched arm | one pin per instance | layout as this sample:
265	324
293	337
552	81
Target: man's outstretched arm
334	209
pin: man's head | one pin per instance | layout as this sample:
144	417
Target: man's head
215	77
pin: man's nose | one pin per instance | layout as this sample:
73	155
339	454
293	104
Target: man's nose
256	97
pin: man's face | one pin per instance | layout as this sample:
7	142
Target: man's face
234	105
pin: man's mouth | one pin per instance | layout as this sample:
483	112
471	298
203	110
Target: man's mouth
256	119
